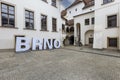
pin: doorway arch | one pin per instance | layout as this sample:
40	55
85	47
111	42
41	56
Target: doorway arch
89	37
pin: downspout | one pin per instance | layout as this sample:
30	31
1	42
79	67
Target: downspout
118	26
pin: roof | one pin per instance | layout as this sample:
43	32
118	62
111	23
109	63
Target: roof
88	3
74	3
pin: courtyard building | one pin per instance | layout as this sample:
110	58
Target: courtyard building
30	19
93	23
96	23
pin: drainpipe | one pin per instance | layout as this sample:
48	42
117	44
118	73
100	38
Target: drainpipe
118	26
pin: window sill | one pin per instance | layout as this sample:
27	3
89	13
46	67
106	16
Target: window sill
55	31
111	27
86	24
112	47
29	29
8	27
44	30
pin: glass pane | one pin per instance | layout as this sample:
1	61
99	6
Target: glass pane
11	20
4	19
113	42
4	6
11	12
27	24
31	21
26	14
4	10
31	25
31	15
27	20
11	8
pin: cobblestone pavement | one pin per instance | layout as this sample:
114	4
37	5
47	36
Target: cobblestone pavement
59	64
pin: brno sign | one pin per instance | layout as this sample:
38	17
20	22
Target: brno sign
24	44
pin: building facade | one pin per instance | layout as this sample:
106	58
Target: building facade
96	23
107	24
84	24
29	18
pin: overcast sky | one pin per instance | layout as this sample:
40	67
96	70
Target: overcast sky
66	3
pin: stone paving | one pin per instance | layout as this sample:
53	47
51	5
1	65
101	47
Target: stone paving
59	64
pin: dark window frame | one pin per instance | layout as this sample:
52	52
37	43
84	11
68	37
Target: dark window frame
54	24
111	45
87	21
112	21
93	21
43	26
8	15
54	3
29	19
107	1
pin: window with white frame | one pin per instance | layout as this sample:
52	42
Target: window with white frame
29	19
7	15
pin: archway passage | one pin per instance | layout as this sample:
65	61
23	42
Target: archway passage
89	37
71	39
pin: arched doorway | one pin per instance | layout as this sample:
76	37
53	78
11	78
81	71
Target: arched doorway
89	37
67	30
78	29
72	29
71	39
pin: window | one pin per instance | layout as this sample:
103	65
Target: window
70	12
112	42
54	3
29	19
7	15
93	21
87	21
54	24
112	21
107	1
44	22
90	40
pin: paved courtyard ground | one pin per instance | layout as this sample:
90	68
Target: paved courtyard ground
70	63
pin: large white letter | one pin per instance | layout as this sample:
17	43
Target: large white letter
37	43
57	44
22	44
48	43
